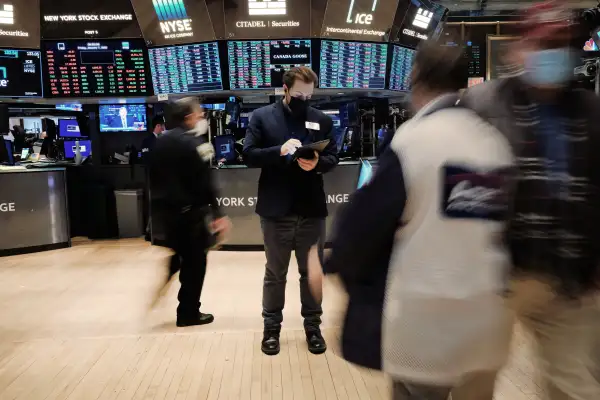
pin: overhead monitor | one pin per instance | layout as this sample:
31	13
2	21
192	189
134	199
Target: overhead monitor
69	107
68	128
122	118
186	69
78	68
170	22
73	19
260	64
352	65
423	21
20	24
20	73
401	68
265	19
359	19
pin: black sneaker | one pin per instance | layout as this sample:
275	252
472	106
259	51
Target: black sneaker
315	341
270	343
200	319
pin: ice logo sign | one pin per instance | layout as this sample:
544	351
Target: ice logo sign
360	18
173	17
423	18
7	15
267	7
3	77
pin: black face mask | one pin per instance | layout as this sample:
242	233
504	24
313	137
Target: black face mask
299	107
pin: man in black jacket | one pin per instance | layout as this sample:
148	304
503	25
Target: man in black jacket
184	204
291	198
158	127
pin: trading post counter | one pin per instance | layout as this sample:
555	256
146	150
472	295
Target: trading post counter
33	210
238	191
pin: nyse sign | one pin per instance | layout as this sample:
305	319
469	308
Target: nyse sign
339	198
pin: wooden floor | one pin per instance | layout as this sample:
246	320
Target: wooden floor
75	324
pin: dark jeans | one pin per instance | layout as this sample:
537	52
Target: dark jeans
281	237
186	235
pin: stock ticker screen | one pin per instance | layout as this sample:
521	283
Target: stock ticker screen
260	64
352	65
20	73
186	69
402	62
96	68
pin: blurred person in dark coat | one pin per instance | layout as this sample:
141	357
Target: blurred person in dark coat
158	127
554	230
184	203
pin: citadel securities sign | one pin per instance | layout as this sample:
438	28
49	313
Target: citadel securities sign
359	19
264	19
20	23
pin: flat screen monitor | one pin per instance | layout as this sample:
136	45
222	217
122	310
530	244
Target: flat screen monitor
20	73
123	118
170	22
96	68
70	146
69	107
401	68
225	148
260	64
423	21
353	65
68	128
366	173
88	19
359	19
186	69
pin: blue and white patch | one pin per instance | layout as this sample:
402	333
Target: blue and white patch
471	193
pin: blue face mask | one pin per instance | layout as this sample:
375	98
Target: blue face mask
550	67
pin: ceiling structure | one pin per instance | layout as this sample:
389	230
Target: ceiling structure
497	7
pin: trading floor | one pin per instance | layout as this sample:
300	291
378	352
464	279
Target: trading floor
75	324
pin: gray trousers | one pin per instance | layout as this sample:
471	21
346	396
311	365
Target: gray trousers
281	237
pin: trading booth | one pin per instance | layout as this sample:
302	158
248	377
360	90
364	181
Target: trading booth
80	82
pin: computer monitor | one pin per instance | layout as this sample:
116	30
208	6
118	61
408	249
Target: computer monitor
7	152
85	147
123	118
365	174
68	128
225	148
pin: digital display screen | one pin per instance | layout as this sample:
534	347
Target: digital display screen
69	19
20	24
68	128
264	19
352	65
170	22
69	107
359	19
421	22
85	148
402	63
20	73
96	68
186	69
260	64
122	118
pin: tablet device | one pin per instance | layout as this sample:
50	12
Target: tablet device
307	151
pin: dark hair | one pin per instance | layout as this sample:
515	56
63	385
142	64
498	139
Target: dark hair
177	111
158	120
303	74
440	68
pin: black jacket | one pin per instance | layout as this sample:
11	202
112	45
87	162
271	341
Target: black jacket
148	144
284	188
180	177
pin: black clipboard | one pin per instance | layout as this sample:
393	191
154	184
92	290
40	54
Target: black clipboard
307	152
